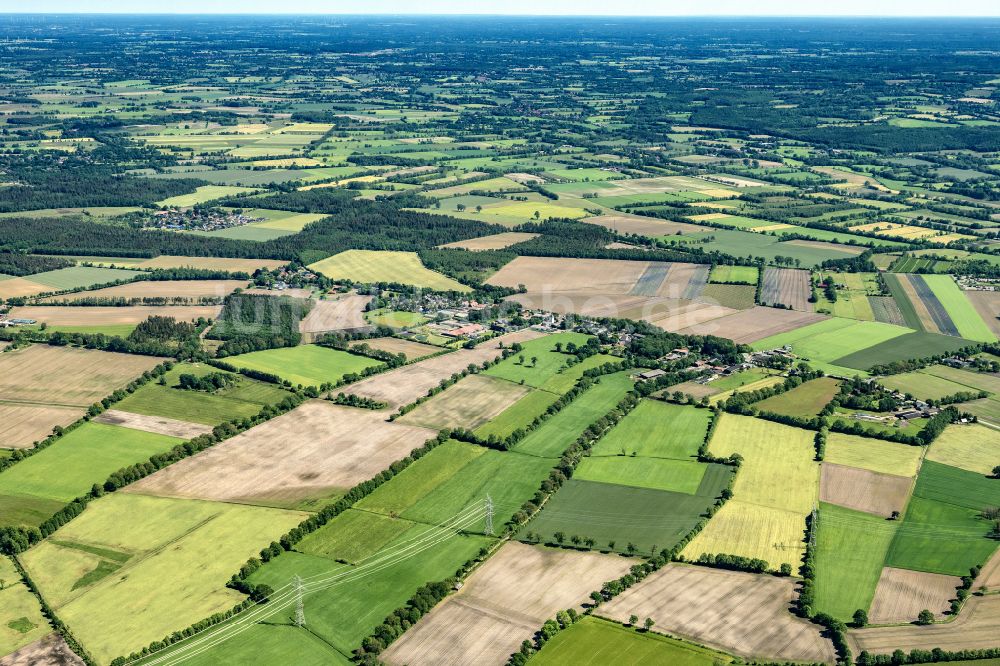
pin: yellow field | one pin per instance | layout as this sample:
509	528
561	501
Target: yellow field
379	266
873	454
751	530
971	447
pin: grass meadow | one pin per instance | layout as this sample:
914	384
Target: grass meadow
309	365
657	429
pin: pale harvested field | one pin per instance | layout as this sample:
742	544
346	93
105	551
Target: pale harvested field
757	323
404	385
861	489
641	225
345	312
556	274
49	651
494	242
409	348
157	424
294	293
977	626
705	315
987	304
902	594
212	263
67	315
315	448
468	404
990	574
18	287
503	603
156	289
66	375
786	286
21	425
742	613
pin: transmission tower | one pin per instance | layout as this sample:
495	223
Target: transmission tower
300	613
489	515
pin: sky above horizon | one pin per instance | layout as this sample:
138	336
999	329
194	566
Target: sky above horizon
520	7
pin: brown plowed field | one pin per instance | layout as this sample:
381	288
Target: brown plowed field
468	404
49	375
746	614
555	274
786	286
211	263
863	490
977	626
338	314
65	315
494	242
314	449
503	603
990	575
157	424
49	651
412	350
21	425
156	289
404	385
754	324
644	226
901	595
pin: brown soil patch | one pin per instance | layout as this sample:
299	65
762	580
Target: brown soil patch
757	323
21	425
345	312
65	315
746	614
315	448
584	276
211	263
977	626
901	595
404	385
66	375
412	350
494	242
157	289
786	286
643	226
987	304
990	574
503	603
19	286
864	490
49	651
468	404
157	424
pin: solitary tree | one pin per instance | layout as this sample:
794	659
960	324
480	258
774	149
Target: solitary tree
860	618
534	361
649	623
925	617
559	537
633	619
996	472
520	359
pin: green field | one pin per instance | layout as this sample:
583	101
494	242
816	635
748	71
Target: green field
826	343
87	455
595	641
395	318
682	476
203	194
243	400
915	344
942	531
353	536
21	619
170	558
309	365
922	385
609	512
806	400
776	536
657	429
549	372
80	276
557	433
850	550
737	274
380	266
968	322
455	476
518	415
